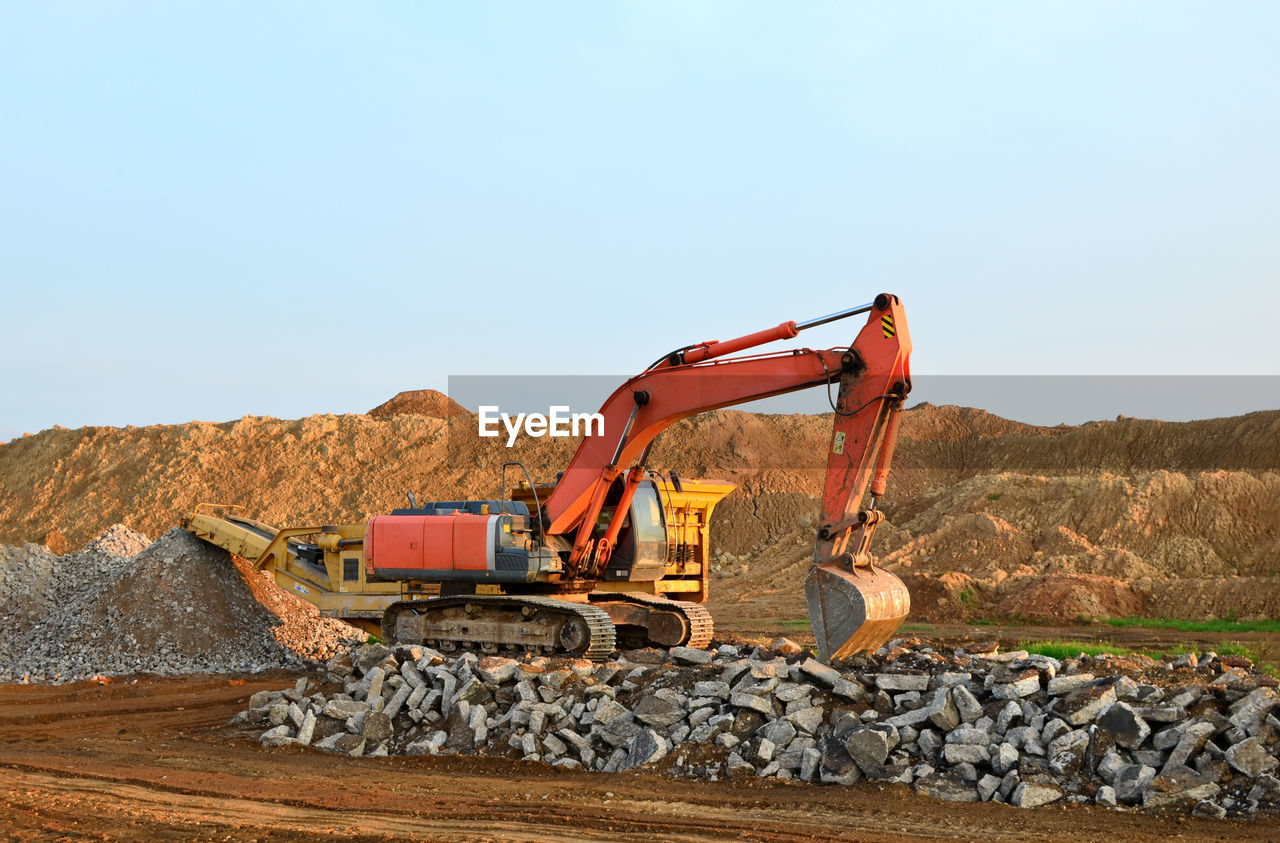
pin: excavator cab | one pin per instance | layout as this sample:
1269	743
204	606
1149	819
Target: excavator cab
641	551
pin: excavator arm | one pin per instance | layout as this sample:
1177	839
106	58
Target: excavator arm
874	377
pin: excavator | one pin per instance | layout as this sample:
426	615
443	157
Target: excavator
613	551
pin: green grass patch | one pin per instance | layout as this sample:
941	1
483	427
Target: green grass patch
799	622
1270	625
1071	649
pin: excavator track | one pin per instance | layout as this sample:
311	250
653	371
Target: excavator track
698	622
493	623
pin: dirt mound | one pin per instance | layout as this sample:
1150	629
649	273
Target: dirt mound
419	402
944	423
178	607
1060	598
971	494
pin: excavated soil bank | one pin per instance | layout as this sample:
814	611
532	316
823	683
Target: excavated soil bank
1128	516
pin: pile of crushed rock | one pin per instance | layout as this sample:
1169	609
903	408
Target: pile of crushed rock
963	724
123	605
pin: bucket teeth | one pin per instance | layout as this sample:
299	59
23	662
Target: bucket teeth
853	612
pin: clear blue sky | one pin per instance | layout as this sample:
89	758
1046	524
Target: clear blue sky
219	209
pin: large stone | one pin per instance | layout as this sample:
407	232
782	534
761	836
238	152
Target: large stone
988	785
786	647
368	656
657	712
448	689
807	719
473	692
752	702
779	731
1192	740
1265	788
497	670
647	747
377	726
374	679
712	688
850	690
969	735
869	748
411	674
344	709
965	753
946	787
810	759
353	745
276	736
429	745
942	711
966	704
1032	793
308	728
1004	758
791	691
918	717
895	682
1127	728
690	655
1250	756
824	675
837	766
1178	785
262	699
1015	684
1082	706
1066	752
930	743
1010	715
1249	712
1073	741
398	699
1131	780
1162	713
1060	685
609	712
278	712
764	751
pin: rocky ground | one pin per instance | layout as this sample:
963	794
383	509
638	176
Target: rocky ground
966	724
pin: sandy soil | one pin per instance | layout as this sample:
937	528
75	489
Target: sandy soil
987	518
153	760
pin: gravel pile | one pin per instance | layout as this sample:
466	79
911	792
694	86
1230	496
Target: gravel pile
178	606
36	583
961	725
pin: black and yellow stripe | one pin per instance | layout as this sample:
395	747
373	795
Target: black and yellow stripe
886	322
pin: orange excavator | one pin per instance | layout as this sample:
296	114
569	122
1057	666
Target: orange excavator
611	549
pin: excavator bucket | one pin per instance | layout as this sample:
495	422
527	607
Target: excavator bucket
853	611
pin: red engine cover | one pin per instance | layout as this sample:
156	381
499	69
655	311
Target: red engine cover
426	546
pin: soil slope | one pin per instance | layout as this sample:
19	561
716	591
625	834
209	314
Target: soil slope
986	515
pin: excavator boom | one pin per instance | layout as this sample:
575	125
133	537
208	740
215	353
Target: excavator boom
853	606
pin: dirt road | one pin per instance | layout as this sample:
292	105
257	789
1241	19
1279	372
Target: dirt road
153	760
